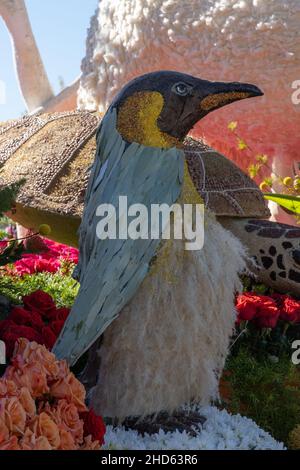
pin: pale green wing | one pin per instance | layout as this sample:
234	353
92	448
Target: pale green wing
111	271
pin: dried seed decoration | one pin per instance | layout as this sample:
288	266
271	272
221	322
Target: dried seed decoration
15	124
89	124
39	190
224	188
220	99
33	124
12	145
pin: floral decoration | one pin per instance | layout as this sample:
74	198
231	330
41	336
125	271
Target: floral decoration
42	404
266	311
37	320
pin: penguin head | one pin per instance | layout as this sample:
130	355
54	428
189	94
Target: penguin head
168	104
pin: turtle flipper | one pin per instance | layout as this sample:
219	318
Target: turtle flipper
276	249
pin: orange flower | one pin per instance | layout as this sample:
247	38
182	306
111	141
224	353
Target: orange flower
63	369
66	439
27	401
70	389
10	444
44	426
89	444
4	432
28	440
8	388
66	414
33	353
31	442
31	376
15	415
57	424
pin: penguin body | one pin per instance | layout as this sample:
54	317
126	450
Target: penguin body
165	314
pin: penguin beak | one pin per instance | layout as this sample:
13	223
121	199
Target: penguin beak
214	95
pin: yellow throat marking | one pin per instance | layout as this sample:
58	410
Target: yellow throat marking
137	120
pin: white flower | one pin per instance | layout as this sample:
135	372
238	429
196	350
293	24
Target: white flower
220	431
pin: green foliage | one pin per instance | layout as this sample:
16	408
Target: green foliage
8	196
267	392
61	287
291	203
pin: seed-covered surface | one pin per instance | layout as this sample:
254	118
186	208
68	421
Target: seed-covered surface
53	152
225	189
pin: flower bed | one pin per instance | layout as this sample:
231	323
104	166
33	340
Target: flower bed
37	320
50	257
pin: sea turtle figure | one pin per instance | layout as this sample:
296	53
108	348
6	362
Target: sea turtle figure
54	152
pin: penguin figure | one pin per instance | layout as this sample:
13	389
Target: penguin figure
164	314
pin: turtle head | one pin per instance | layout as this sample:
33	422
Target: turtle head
175	101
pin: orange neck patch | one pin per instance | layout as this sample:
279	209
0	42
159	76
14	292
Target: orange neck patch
137	120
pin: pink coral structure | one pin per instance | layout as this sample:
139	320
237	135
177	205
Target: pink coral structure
228	40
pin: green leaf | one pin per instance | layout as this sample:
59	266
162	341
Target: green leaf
292	203
8	195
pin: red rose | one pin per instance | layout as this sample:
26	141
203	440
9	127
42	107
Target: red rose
93	425
56	326
246	305
279	299
5	325
22	317
290	310
259	308
39	301
14	332
59	314
49	337
267	314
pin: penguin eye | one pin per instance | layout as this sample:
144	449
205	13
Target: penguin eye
181	89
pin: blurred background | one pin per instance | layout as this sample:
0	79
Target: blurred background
60	30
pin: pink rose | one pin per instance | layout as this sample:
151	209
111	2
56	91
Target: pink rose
66	439
66	415
70	389
89	444
31	376
14	415
27	401
31	442
45	427
31	353
10	444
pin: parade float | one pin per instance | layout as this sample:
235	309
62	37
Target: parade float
225	321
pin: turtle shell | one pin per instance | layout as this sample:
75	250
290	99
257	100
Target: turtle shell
54	151
225	189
